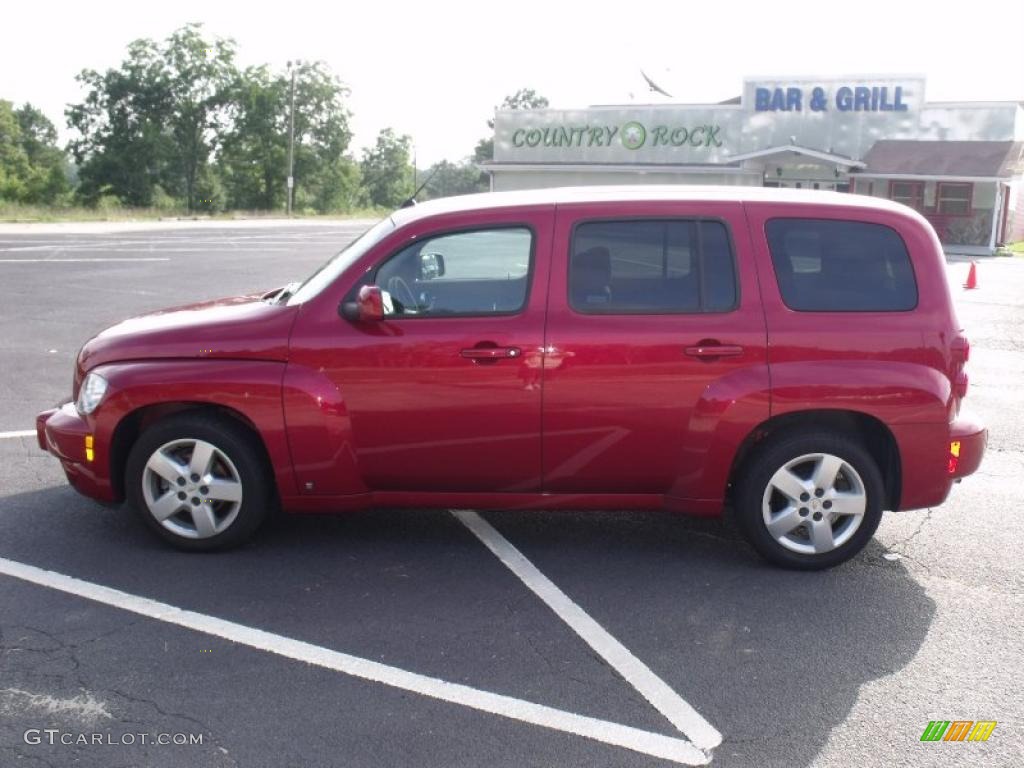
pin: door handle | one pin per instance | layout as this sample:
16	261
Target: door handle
711	351
491	353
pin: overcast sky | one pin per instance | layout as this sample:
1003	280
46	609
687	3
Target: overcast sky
436	69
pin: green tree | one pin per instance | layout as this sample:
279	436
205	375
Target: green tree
254	152
200	75
154	120
32	167
123	144
14	166
446	178
326	178
387	172
524	98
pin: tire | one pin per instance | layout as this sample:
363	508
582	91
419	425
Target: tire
220	509
796	523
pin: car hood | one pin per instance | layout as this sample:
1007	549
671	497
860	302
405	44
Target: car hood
241	327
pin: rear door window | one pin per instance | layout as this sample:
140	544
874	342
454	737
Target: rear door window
825	265
652	267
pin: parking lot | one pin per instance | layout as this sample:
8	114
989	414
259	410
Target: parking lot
512	639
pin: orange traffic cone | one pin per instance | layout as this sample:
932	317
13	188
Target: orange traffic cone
972	277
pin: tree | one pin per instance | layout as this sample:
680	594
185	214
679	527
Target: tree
152	122
524	98
254	151
326	178
387	172
14	166
31	164
445	178
200	75
123	144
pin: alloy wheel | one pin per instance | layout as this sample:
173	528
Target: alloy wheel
192	488
814	503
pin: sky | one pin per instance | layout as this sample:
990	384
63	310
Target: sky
436	70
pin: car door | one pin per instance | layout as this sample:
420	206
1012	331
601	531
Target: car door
444	393
655	333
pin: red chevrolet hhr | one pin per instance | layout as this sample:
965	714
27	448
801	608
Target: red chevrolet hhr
792	356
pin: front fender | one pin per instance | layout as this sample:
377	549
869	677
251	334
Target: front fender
250	388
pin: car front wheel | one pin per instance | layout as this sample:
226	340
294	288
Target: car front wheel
198	482
809	500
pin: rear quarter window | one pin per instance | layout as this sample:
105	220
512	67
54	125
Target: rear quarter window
825	265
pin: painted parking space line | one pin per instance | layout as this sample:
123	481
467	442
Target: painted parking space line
682	715
670	748
77	261
18	433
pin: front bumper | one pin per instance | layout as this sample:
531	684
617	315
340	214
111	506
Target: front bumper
62	432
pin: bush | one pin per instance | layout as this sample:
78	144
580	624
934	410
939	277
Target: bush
164	202
108	203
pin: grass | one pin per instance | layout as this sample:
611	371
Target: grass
19	213
1011	249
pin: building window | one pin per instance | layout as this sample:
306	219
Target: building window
910	193
953	199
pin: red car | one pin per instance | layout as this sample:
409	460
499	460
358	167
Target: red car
793	356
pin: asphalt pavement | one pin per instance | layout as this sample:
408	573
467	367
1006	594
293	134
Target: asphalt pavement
839	668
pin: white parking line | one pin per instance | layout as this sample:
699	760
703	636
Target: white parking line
73	261
648	743
684	717
18	433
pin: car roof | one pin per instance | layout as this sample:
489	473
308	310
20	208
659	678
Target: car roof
641	193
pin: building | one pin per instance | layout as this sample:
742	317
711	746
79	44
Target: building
961	164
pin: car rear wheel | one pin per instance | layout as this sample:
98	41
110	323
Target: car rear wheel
198	482
809	500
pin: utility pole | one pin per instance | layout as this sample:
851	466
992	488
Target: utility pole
291	142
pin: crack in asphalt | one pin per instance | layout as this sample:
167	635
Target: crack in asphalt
70	652
917	530
204	728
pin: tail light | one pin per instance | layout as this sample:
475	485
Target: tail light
954	457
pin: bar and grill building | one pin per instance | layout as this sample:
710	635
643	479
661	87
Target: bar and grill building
961	164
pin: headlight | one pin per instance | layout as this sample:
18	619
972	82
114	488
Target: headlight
93	388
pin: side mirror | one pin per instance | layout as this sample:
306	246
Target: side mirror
367	308
431	265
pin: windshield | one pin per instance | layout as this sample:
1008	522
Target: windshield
334	266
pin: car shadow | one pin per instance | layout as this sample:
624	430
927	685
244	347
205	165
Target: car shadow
774	659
